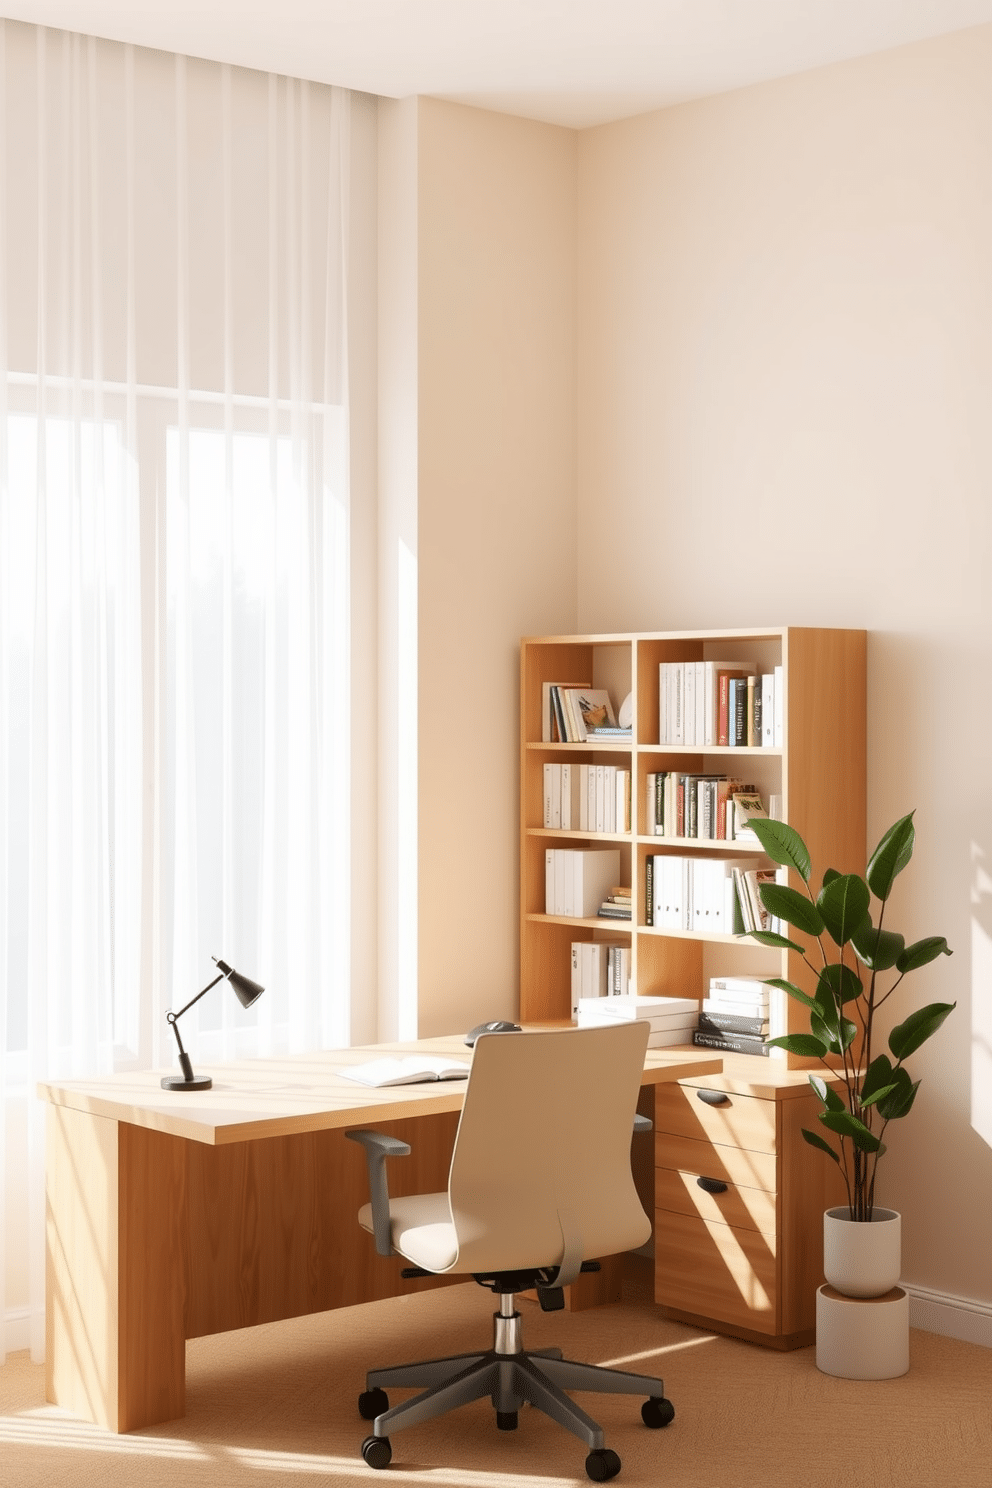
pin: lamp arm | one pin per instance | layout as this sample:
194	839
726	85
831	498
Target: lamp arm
171	1016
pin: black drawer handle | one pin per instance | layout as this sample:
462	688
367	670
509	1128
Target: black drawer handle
711	1185
714	1097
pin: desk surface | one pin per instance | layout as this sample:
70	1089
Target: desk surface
274	1097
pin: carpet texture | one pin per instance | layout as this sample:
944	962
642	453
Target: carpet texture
275	1407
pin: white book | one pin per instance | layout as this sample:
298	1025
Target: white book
741	1008
700	702
549	880
576	978
595	871
584	798
650	787
562	884
663	682
663	1038
743	986
768	709
676	702
779	707
610	798
410	1070
631	1008
689	703
569	797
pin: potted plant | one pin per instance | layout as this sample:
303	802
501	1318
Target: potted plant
866	1090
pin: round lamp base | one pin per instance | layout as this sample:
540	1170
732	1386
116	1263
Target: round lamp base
176	1082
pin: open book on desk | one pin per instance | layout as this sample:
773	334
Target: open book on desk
410	1070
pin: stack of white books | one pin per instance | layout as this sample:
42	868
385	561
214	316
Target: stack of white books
673	1020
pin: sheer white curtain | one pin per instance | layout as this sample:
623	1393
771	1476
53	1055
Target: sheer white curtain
174	575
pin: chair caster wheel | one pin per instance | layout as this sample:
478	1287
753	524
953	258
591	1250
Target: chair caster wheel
657	1412
506	1420
372	1403
602	1464
377	1451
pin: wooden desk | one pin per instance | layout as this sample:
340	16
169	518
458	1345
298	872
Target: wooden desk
171	1216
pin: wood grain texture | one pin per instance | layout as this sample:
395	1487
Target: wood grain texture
81	1261
717	1271
751	1208
742	1121
152	1286
273	1225
811	1183
729	1164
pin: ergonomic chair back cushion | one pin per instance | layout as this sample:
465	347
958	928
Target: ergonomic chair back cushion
541	1165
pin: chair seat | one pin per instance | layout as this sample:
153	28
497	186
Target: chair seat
421	1230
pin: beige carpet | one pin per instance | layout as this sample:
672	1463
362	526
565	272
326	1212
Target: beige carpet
276	1406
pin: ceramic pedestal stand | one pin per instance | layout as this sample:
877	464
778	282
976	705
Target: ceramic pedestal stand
862	1316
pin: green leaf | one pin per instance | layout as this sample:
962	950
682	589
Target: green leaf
803	1044
921	953
815	1141
782	844
878	1075
907	1037
829	875
900	1102
838	1034
843	903
769	938
877	949
891	856
793	907
846	1125
878	1095
827	1094
840	982
792	990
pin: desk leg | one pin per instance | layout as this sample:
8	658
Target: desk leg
116	1199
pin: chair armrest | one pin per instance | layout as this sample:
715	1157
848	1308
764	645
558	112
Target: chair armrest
378	1146
642	1123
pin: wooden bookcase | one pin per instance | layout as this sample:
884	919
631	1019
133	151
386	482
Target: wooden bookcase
772	1225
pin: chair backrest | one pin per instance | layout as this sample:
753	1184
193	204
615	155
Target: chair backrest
541	1163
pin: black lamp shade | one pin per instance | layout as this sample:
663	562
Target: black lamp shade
245	989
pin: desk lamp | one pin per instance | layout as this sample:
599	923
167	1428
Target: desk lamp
246	991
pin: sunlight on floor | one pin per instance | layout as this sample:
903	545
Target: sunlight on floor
668	1348
51	1427
345	1467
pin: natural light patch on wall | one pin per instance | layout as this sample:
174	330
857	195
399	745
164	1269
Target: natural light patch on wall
981	996
406	808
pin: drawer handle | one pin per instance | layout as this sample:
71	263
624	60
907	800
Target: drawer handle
712	1185
713	1097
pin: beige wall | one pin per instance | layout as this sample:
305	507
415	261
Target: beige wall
784	370
496	523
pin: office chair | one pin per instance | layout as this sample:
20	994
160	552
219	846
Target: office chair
540	1182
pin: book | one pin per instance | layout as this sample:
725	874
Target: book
588	708
606	732
632	1007
412	1069
732	1043
747	805
549	715
711	1022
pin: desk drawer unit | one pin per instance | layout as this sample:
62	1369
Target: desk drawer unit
738	1204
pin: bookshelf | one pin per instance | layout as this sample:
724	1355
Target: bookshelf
818	771
742	1254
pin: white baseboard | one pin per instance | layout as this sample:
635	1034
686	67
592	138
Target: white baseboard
17	1330
951	1317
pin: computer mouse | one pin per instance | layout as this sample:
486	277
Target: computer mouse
499	1025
